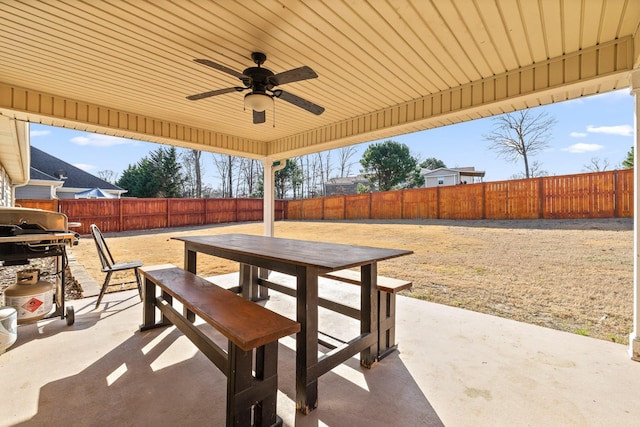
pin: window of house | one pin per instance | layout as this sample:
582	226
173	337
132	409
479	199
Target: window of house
441	180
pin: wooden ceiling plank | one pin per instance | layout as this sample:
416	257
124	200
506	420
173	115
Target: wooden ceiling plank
467	52
553	28
517	34
532	22
379	49
592	12
411	32
443	64
610	26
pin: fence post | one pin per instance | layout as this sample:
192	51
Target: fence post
344	206
540	198
120	218
484	200
616	198
168	213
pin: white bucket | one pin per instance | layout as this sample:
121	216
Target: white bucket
8	327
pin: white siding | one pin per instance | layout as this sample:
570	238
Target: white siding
5	188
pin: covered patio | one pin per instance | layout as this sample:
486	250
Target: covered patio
454	367
384	68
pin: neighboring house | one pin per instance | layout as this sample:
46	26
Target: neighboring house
54	178
451	176
346	185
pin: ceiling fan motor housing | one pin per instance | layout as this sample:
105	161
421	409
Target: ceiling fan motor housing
259	78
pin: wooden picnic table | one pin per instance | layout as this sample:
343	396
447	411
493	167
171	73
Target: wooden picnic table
306	260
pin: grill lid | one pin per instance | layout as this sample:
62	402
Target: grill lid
30	219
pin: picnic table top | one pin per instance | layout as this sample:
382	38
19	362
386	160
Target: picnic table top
328	256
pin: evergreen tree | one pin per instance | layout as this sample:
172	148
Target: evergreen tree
158	175
628	162
390	164
432	164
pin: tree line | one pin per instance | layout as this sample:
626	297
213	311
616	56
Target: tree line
388	165
167	172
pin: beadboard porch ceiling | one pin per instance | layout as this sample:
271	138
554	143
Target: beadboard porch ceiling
385	67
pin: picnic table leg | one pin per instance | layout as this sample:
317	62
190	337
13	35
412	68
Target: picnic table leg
249	282
369	311
307	339
190	264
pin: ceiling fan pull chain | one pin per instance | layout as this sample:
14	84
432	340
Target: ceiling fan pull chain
274	111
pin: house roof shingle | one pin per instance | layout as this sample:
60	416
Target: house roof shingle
46	166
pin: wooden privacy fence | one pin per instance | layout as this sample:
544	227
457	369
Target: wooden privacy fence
113	215
592	195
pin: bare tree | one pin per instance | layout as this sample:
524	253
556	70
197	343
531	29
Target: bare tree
248	172
597	165
535	171
324	167
345	154
225	164
108	175
193	169
521	135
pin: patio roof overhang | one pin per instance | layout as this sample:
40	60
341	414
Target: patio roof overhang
385	68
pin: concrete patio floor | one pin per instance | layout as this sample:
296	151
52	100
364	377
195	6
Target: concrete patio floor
454	367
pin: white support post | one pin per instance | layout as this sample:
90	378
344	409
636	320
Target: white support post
634	338
270	168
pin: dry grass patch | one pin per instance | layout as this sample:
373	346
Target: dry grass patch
571	275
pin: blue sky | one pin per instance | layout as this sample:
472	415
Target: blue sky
599	126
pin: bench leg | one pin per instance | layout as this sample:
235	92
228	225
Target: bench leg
387	324
149	306
250	397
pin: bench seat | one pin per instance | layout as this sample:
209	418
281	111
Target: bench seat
385	284
252	332
387	289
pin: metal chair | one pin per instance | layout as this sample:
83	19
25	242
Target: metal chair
109	265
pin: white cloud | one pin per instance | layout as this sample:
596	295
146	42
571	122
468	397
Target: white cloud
622	130
578	135
85	167
96	140
39	133
583	148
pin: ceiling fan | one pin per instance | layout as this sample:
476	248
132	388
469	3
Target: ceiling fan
262	82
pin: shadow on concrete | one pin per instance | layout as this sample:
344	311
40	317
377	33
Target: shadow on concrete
158	377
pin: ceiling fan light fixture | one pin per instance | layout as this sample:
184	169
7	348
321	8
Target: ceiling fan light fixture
257	101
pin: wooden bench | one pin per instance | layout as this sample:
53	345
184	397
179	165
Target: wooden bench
252	332
387	289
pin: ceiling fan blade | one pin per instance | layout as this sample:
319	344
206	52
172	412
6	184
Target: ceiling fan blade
220	67
259	117
299	102
295	75
213	93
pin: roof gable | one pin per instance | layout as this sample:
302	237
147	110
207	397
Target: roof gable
49	165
